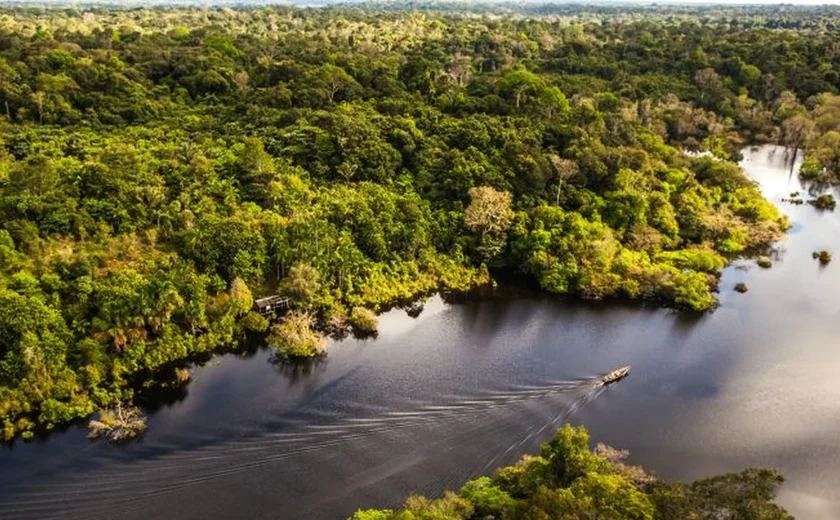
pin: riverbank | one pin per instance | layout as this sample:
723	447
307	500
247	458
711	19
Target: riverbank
748	385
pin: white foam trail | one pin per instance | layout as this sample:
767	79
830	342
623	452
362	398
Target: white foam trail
211	462
568	412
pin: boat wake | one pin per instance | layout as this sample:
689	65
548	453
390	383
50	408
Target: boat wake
116	485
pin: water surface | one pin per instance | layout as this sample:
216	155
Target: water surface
465	388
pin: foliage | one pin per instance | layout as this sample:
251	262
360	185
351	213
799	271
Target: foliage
363	320
295	337
823	256
569	481
824	201
161	168
117	424
489	215
820	137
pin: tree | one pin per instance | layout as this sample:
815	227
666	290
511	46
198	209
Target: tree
331	83
748	494
489	214
303	283
256	169
526	88
610	497
749	74
363	320
711	87
11	88
570	457
240	296
488	500
564	169
796	131
295	337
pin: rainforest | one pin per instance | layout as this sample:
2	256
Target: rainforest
163	168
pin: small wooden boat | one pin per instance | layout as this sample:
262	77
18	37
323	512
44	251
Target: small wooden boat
616	375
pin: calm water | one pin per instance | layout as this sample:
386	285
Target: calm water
465	388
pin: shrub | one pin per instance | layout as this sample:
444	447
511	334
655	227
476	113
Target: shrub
741	287
823	256
363	320
824	201
694	259
182	375
254	321
295	337
304	282
336	319
489	500
118	423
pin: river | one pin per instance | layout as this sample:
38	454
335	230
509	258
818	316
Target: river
464	388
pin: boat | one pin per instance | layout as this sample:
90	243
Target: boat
616	375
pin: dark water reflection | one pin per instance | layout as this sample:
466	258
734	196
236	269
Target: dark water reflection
462	389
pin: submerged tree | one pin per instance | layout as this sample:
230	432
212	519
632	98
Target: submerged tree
118	423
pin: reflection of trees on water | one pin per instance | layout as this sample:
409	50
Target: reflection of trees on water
342	334
365	334
789	157
685	322
43	435
296	370
161	396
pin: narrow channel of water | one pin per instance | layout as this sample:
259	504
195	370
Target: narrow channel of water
462	389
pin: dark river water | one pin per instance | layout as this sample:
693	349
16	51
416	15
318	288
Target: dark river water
465	388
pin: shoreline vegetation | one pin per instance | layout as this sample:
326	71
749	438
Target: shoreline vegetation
161	167
567	480
117	424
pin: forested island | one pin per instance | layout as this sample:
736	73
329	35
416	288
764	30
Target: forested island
161	168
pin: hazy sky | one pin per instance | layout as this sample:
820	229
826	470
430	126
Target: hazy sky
706	2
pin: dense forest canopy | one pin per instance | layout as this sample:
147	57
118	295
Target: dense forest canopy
568	481
161	168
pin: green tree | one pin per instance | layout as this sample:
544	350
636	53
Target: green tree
489	215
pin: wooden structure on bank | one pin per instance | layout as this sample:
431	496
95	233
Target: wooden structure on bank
272	304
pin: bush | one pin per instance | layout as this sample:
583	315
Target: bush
304	282
295	337
489	500
254	321
336	319
117	424
764	262
363	320
823	256
741	287
182	375
694	259
824	201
